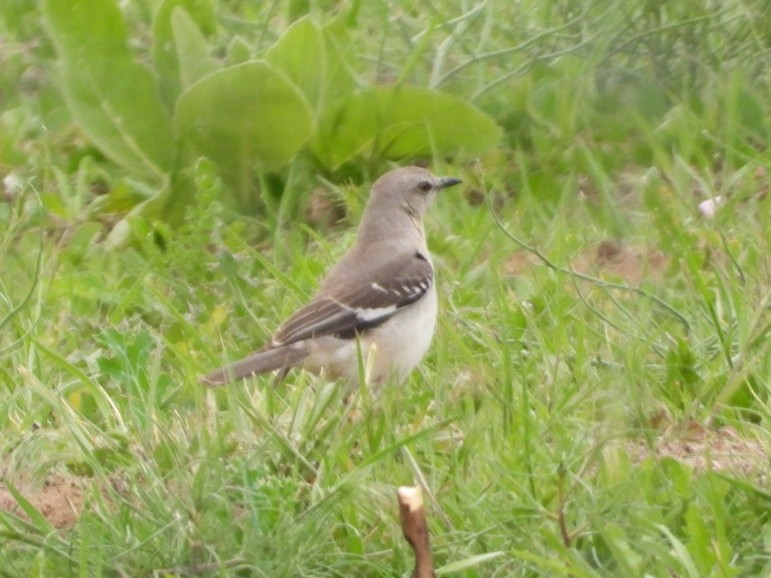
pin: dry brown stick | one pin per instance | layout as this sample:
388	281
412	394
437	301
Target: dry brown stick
413	517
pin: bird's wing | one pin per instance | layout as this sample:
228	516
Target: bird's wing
365	303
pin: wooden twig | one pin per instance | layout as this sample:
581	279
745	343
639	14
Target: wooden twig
413	517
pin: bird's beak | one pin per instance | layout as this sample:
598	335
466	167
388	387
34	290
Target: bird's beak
445	182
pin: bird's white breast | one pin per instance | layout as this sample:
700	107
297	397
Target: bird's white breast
401	343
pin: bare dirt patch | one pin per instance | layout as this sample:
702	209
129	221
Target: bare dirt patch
607	259
519	263
59	499
629	263
705	449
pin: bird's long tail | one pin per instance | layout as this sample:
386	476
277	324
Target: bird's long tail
282	357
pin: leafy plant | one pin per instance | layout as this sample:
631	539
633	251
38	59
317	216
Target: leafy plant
245	116
109	94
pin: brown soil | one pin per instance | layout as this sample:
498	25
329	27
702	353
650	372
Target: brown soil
519	262
608	259
628	263
59	500
704	449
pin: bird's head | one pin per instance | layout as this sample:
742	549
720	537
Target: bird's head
413	189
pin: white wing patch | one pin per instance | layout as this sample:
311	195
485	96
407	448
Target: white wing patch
373	313
368	313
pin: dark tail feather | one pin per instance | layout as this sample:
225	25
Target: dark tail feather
282	357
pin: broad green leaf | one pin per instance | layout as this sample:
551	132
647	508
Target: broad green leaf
312	59
238	51
299	54
346	131
400	121
242	117
165	50
340	60
111	96
193	52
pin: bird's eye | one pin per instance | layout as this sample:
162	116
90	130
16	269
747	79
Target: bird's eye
425	186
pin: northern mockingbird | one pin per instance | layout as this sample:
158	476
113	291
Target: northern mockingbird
379	299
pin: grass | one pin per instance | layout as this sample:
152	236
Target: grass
568	421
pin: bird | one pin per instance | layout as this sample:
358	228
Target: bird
377	304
